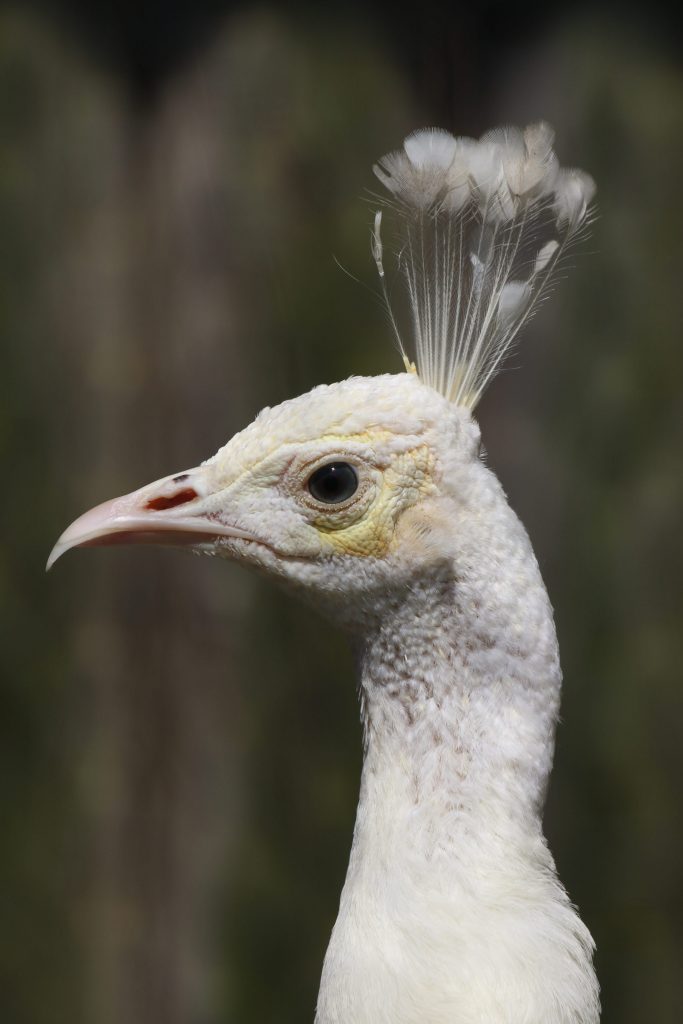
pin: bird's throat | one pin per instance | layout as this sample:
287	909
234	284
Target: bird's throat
459	712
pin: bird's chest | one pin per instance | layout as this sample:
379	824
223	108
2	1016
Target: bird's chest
394	959
452	940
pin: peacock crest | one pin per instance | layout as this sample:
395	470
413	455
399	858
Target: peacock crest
482	229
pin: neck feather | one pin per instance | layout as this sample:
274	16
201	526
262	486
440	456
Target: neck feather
451	903
460	688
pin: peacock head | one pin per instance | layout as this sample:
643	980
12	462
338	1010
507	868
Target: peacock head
338	491
348	491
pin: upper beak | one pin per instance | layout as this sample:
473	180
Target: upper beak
169	511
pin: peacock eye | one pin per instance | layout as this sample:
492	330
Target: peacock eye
333	483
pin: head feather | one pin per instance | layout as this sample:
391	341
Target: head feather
483	225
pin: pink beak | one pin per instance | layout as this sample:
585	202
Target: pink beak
169	511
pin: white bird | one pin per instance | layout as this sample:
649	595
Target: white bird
369	497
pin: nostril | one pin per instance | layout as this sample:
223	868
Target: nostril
173	500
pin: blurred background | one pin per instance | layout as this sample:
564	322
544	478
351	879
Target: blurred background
179	742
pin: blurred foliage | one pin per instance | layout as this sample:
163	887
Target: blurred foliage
180	746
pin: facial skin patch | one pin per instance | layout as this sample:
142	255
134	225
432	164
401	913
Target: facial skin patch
403	483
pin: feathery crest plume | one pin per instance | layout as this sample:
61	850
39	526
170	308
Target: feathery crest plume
483	228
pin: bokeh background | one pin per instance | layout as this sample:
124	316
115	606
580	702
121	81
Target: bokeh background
179	741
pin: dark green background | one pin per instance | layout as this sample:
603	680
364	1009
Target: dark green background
179	742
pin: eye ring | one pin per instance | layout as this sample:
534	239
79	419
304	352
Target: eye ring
333	483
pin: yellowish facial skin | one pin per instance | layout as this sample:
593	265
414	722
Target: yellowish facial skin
275	494
370	532
364	524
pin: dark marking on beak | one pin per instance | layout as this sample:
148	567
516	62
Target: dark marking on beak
172	501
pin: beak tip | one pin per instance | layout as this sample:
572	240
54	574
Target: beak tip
57	552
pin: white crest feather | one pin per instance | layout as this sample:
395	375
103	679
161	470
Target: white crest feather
483	226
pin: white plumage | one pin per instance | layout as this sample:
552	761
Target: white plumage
482	228
369	498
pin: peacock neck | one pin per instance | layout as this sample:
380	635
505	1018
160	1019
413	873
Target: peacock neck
460	689
451	909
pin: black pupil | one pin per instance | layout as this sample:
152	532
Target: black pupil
333	483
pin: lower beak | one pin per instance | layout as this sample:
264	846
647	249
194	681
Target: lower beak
170	511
